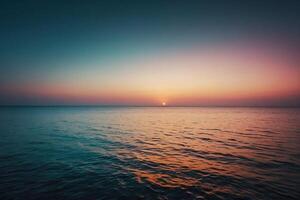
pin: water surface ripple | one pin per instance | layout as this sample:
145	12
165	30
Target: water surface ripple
149	153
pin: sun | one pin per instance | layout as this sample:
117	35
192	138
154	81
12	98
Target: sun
163	103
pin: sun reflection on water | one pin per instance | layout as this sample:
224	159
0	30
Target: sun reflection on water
186	148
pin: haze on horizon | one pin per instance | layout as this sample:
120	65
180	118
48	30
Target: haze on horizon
191	53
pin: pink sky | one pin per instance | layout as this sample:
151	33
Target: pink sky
235	74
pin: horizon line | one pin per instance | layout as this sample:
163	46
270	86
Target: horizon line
159	106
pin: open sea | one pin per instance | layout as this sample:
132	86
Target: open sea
161	153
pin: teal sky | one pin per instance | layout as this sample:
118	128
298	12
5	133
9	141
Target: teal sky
50	42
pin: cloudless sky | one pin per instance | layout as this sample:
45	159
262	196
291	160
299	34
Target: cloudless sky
188	53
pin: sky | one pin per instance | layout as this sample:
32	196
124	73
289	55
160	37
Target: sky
144	53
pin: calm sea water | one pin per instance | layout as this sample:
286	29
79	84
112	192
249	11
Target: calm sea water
149	153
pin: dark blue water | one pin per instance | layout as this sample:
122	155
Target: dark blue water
149	153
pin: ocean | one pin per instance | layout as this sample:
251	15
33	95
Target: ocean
149	153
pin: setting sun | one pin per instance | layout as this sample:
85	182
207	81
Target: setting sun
163	104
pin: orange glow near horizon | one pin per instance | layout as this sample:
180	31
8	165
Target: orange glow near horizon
202	75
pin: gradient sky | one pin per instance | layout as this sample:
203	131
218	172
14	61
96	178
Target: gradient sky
187	53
